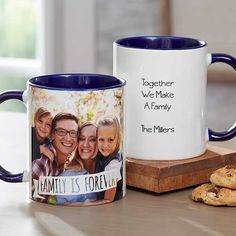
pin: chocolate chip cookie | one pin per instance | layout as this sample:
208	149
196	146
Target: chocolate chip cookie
214	195
225	177
207	193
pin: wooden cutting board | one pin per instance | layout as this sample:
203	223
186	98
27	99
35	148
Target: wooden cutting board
164	176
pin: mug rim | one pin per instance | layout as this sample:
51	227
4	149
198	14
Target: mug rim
164	44
90	82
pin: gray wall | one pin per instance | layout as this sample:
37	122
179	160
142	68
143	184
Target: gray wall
117	19
221	105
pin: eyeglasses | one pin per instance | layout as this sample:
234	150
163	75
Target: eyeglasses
63	132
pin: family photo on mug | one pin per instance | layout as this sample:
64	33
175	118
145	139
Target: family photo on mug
77	150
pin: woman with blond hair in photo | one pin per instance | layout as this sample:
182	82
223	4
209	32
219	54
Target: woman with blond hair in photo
87	146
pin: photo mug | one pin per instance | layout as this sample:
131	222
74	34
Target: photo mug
166	99
75	137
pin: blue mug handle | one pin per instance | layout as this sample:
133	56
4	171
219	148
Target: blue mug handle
231	132
4	174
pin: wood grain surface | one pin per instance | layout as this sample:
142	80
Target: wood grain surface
164	176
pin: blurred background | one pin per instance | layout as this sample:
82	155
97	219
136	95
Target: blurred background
59	36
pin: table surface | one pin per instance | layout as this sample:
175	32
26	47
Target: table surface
139	213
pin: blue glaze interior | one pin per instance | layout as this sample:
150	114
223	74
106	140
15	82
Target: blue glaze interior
76	82
161	43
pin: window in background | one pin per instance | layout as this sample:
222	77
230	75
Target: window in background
18	46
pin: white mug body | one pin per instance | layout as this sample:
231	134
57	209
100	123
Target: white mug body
165	108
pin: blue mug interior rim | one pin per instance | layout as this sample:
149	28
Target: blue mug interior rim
76	82
161	43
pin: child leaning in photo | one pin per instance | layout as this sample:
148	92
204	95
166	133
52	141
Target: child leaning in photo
41	132
109	157
74	168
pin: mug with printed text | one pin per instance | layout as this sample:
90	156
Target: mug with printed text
75	137
166	99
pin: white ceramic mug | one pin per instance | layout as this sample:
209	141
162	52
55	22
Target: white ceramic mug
166	96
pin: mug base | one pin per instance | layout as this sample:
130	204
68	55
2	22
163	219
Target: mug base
76	204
